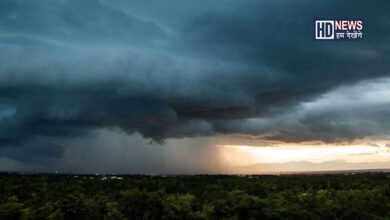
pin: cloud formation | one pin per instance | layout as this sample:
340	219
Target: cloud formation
342	115
177	69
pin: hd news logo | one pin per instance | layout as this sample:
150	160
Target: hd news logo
338	29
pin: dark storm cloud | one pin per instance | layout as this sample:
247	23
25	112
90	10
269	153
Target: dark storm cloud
81	21
344	114
170	69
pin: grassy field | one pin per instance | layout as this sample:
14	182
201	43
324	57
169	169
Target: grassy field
331	196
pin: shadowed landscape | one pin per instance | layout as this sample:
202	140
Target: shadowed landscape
319	196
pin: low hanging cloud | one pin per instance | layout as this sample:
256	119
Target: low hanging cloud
344	114
178	69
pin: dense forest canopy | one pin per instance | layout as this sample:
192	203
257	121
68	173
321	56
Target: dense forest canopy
359	196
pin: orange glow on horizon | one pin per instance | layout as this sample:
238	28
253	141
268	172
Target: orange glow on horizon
242	155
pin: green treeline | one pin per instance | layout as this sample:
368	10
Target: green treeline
30	197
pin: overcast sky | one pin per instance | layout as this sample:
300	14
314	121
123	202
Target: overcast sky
154	86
